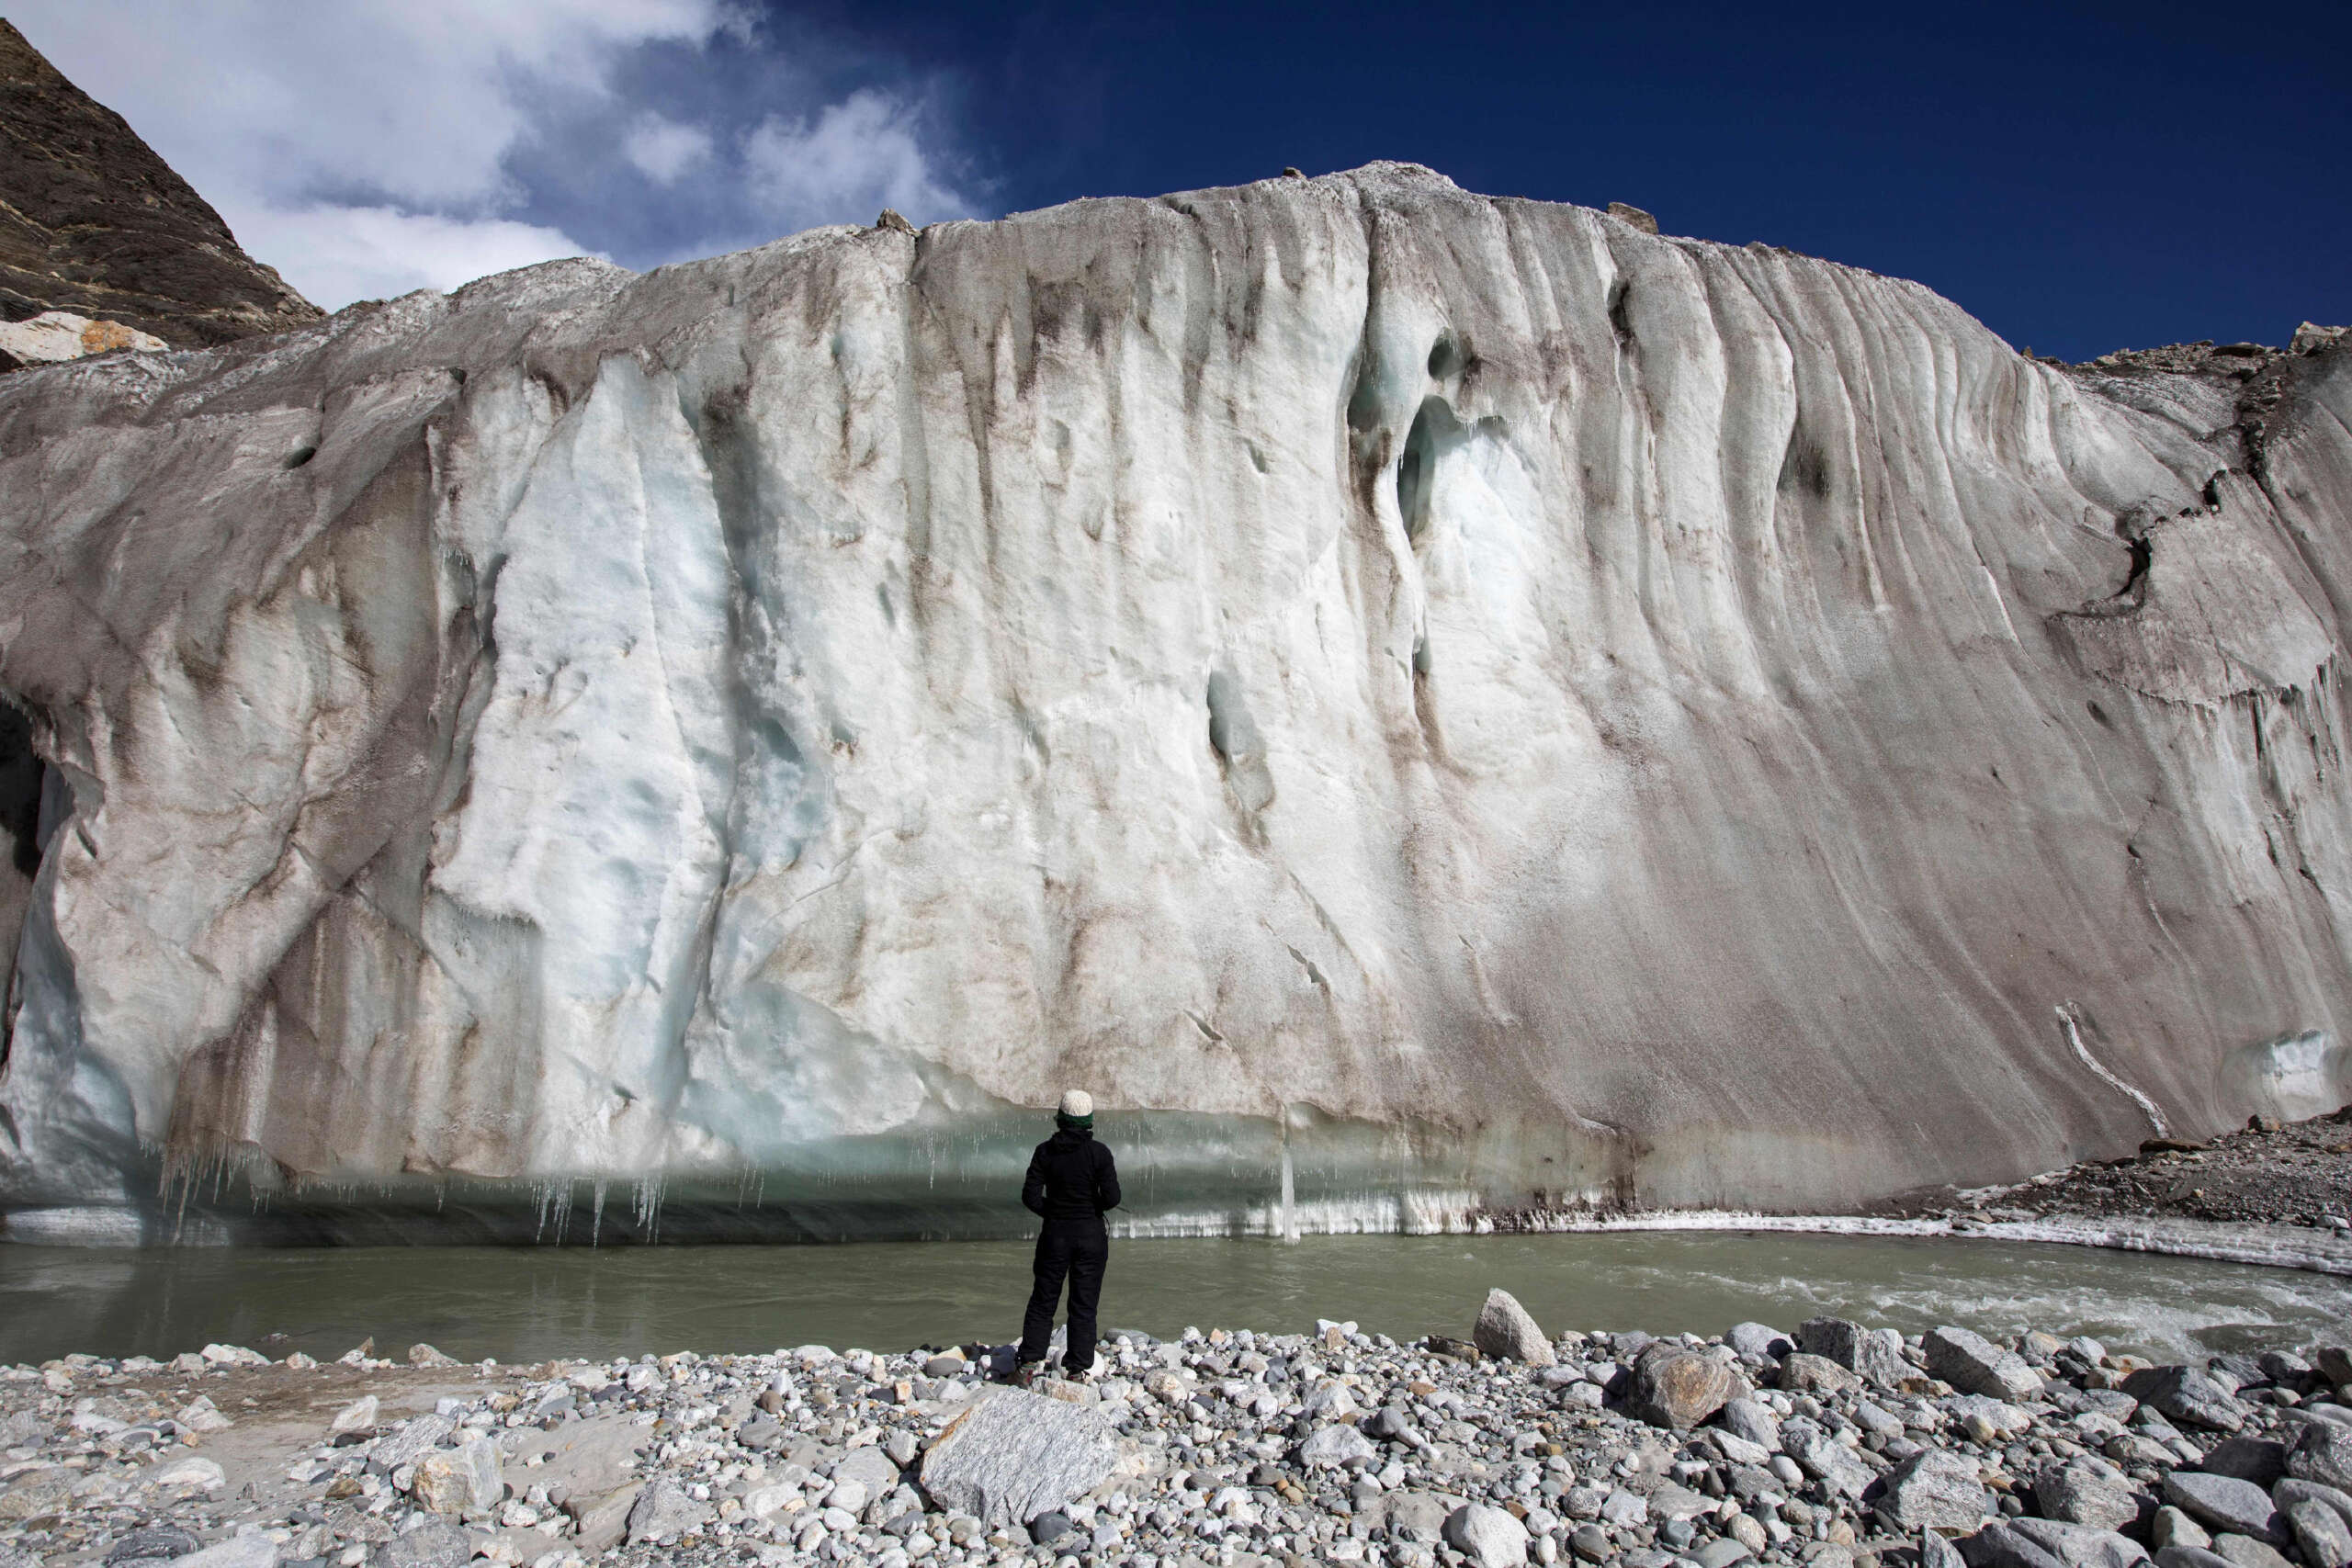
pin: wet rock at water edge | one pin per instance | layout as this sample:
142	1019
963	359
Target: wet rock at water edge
1506	1331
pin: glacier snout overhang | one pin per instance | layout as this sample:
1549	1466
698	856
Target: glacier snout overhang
1465	696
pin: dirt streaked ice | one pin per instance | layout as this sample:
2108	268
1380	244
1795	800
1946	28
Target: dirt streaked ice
1493	697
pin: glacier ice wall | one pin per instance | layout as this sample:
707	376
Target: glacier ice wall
1445	695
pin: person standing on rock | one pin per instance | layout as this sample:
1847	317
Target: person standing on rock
1073	1183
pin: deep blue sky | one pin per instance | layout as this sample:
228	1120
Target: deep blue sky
2080	177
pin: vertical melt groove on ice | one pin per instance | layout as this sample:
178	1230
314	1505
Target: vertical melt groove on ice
1427	705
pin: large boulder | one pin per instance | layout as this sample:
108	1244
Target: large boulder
1489	1537
2087	1492
1013	1455
2257	1460
2225	1503
2081	1546
1679	1389
2323	1537
463	1482
1973	1364
662	1513
1824	1459
1933	1489
1758	1339
1506	1331
1873	1354
2184	1394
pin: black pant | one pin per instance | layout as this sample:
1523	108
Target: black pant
1080	1255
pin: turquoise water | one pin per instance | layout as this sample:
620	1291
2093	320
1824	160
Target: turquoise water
531	1304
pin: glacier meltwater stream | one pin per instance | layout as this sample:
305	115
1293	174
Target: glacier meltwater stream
523	1304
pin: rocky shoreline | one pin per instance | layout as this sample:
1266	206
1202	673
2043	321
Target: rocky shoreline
1831	1445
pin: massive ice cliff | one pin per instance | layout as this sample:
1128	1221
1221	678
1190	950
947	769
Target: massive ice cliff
1418	700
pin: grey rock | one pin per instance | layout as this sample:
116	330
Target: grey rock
1049	1527
1747	1419
1721	1552
2003	1546
1679	1389
1824	1459
1591	1544
2081	1546
1758	1339
2257	1460
1388	1423
2247	1552
463	1482
870	1468
1936	1551
435	1545
1507	1332
1333	1446
1013	1455
2173	1527
662	1513
408	1442
1487	1536
2082	1494
2189	1557
2225	1503
2183	1394
2323	1538
2322	1455
39	1493
1625	1509
1935	1489
1671	1503
1417	1515
1800	1373
155	1541
2292	1492
1973	1364
251	1550
1876	1419
1873	1355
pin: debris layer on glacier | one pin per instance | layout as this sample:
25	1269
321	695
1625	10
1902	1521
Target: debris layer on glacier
1425	692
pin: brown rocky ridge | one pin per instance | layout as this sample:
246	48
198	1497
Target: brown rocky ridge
94	224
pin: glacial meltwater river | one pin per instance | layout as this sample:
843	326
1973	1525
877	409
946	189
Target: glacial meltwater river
532	1303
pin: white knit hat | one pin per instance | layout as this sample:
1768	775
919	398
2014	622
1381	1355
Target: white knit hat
1077	1102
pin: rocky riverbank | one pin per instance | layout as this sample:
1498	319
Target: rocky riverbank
1832	1445
2296	1173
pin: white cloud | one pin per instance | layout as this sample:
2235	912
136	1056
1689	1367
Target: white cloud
364	147
342	253
664	150
855	158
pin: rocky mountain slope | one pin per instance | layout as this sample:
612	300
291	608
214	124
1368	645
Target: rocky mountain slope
1417	700
94	224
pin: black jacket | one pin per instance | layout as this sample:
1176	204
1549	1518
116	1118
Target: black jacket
1071	1180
